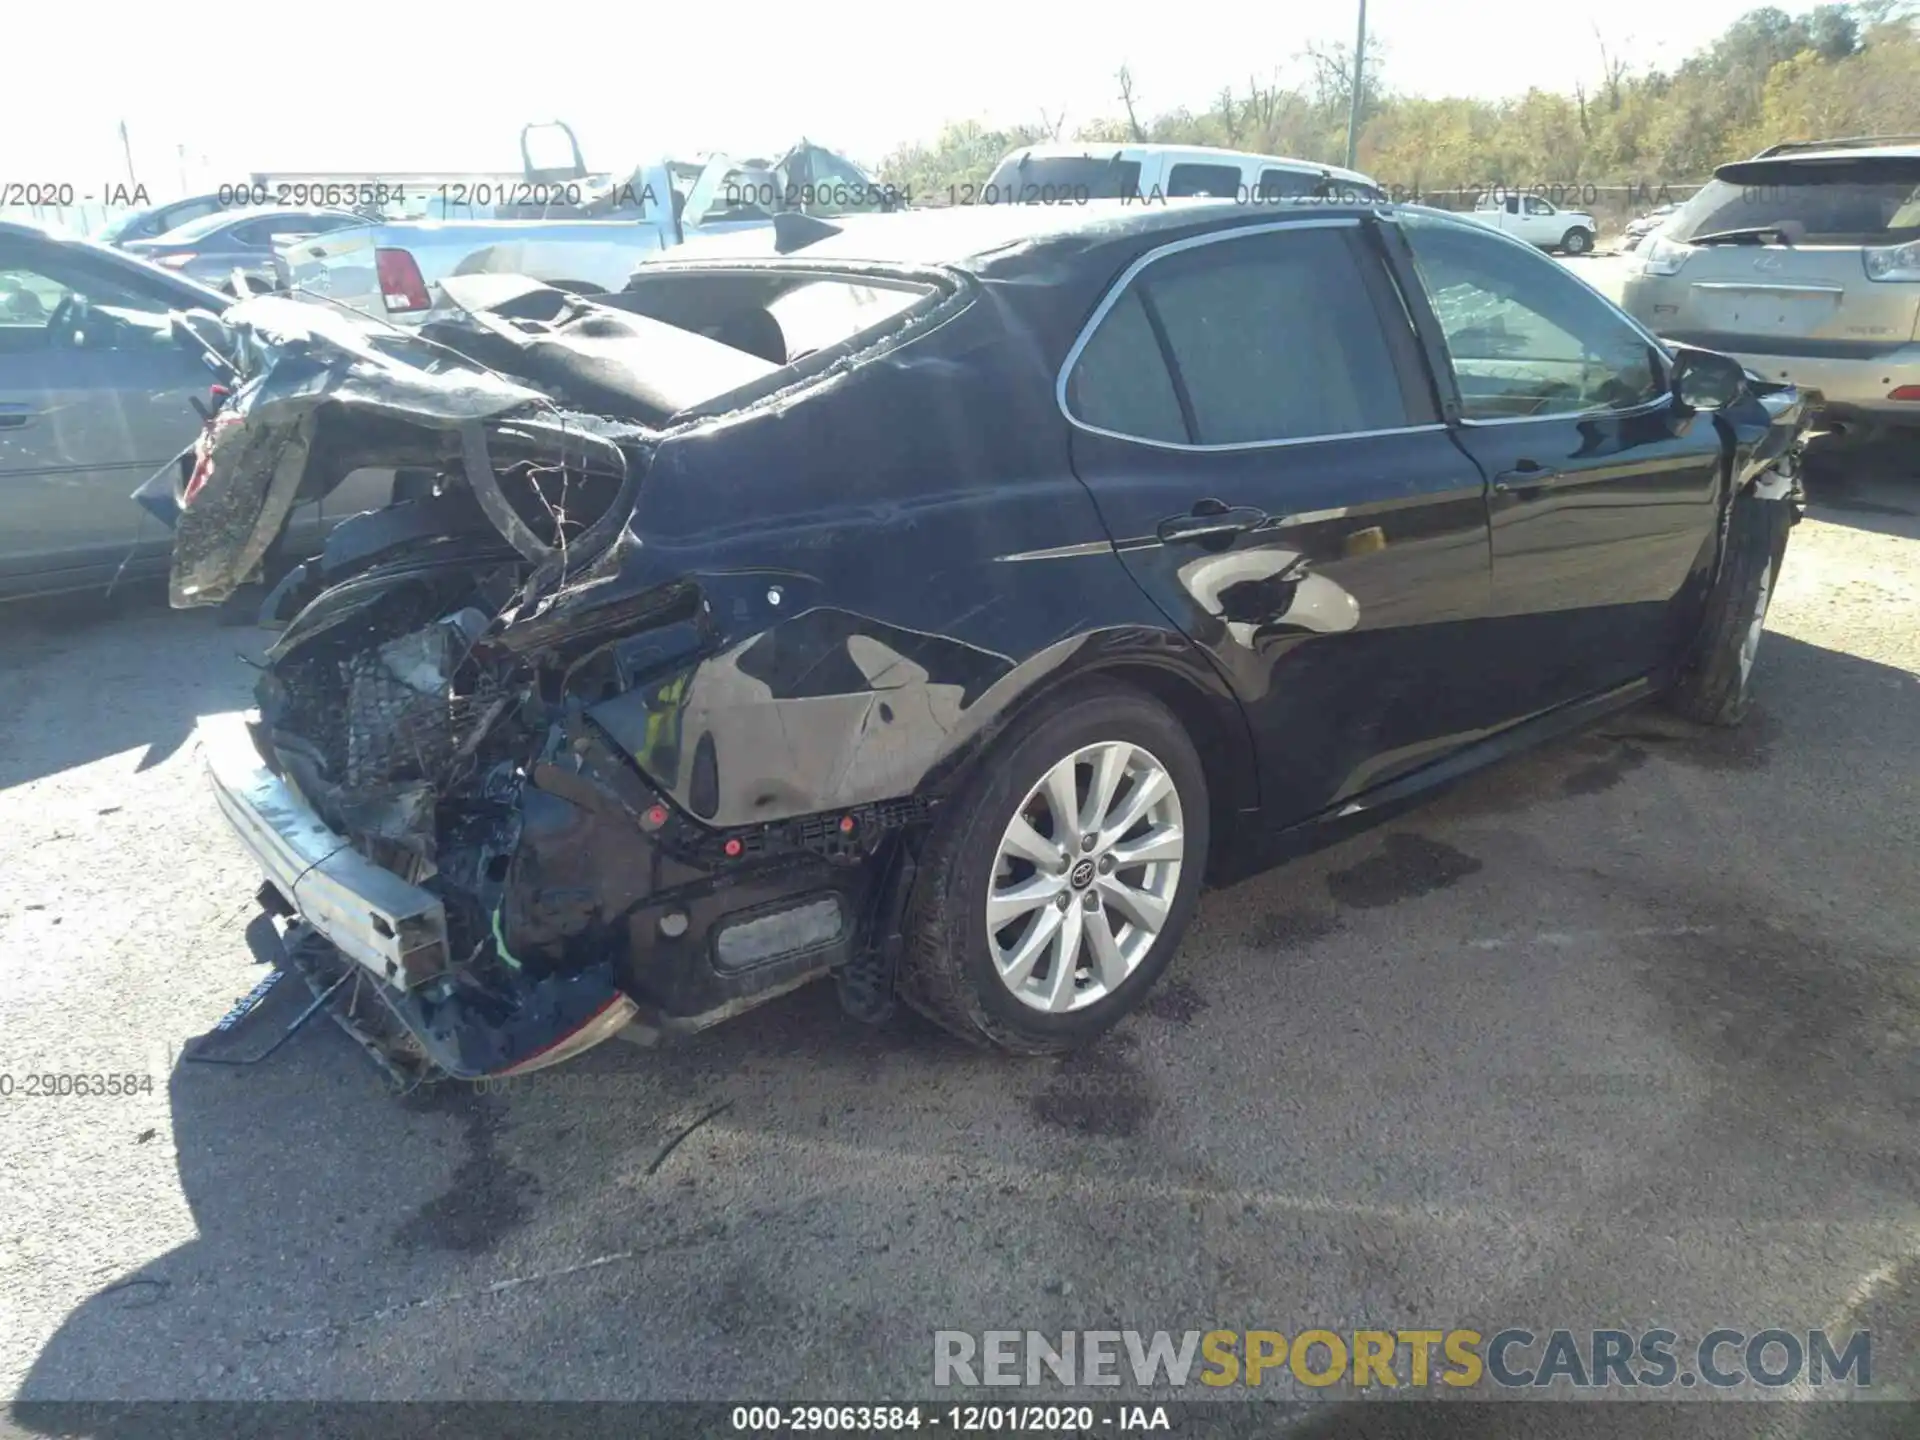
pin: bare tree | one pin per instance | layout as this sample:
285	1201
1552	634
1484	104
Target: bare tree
1228	109
1262	104
1125	78
1613	71
1050	128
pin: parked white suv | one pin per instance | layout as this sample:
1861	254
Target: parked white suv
1536	220
1090	170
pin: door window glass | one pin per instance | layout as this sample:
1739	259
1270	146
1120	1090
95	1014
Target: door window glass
1525	338
49	306
1268	337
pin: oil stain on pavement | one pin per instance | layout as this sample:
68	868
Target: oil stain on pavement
1407	867
1097	1091
487	1197
1175	1001
1606	772
1291	929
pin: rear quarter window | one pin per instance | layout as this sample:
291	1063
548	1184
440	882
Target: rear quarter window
1121	382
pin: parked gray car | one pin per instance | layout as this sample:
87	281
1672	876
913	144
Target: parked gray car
96	396
211	248
157	220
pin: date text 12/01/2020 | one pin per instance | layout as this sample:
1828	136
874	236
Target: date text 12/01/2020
961	1419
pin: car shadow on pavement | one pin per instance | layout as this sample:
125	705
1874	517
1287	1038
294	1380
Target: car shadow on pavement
149	673
330	1215
1873	487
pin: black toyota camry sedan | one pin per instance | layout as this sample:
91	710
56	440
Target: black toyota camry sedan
934	601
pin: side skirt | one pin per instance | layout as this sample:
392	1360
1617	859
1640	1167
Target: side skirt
1257	851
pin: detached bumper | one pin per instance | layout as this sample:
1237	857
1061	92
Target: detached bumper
373	917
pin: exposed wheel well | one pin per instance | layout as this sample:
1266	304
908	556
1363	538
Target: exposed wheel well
1226	758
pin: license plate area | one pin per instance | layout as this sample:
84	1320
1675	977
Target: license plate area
1765	309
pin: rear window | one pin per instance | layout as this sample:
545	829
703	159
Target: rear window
1858	201
1058	178
825	312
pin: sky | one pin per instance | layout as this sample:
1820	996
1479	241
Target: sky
414	85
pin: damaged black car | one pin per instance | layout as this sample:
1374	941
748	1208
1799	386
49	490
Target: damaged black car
933	601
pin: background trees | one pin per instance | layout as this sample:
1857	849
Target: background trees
1837	69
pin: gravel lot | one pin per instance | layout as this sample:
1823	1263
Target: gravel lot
1622	1033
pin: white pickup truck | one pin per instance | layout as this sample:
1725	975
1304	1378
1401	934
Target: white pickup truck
577	232
1536	220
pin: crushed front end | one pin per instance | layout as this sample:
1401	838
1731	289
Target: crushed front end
478	879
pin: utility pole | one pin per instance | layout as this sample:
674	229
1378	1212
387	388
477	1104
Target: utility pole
1359	69
126	149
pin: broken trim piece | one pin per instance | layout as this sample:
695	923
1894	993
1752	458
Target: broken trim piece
485	485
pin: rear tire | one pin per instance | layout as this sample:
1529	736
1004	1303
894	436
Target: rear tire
1577	241
1007	985
1715	687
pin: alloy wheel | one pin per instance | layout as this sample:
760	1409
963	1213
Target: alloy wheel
1750	643
1084	876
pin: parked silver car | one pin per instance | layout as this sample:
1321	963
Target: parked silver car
1805	263
211	248
95	397
1642	226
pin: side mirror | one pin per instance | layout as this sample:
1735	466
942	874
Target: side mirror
1706	379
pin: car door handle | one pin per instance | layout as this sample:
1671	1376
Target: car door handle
1525	474
16	417
1210	523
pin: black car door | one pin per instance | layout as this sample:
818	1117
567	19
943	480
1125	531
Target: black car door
1252	416
1604	490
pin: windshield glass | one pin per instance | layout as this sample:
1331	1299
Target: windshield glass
1847	202
1064	177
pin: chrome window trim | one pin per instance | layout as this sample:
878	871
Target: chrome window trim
1646	407
1119	288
